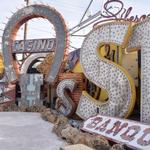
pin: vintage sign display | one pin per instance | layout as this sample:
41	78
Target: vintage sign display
99	70
131	133
34	46
22	16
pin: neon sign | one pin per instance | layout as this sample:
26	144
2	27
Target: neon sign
121	13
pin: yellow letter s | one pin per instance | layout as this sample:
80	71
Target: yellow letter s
106	74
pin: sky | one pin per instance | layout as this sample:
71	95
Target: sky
71	10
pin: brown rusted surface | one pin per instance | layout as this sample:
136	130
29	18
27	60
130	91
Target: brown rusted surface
45	66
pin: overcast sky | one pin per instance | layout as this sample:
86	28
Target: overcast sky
72	11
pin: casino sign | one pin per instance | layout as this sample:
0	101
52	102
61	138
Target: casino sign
34	46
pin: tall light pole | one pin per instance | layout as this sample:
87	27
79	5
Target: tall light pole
25	31
26	25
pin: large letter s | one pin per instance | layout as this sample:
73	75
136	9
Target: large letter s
106	74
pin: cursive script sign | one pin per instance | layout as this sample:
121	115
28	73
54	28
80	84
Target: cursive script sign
134	134
119	12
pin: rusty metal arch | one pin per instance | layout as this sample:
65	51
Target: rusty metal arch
22	16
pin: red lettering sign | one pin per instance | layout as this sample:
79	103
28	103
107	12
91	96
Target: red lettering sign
134	134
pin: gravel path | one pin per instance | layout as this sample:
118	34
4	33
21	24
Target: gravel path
26	131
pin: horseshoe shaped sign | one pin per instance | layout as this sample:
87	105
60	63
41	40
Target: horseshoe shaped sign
21	17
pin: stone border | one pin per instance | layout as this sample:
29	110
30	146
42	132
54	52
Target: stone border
63	129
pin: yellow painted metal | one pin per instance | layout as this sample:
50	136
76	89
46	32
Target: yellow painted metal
132	83
130	63
77	68
1	65
117	54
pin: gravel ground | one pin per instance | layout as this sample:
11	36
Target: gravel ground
27	131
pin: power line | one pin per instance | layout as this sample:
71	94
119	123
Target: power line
86	10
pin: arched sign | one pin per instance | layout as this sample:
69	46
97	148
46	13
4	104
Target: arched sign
21	17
